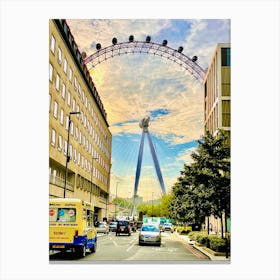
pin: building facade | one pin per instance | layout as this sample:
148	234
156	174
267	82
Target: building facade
217	91
77	125
217	107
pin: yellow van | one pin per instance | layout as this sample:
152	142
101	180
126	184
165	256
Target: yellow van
71	226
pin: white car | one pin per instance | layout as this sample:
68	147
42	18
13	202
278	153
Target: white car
150	234
167	226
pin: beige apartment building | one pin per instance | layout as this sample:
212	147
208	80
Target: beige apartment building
76	113
217	101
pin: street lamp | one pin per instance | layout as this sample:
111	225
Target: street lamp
93	158
67	151
152	204
116	200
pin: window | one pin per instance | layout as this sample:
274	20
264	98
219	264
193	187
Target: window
70	151
59	56
83	96
75	155
63	91
75	83
79	158
57	82
65	65
73	105
226	113
59	143
61	116
51	73
72	128
67	122
79	90
78	110
50	101
52	44
70	74
225	52
69	98
55	108
62	215
53	137
65	147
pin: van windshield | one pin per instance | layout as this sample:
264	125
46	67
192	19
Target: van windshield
62	215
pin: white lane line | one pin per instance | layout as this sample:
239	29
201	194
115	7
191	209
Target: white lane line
130	247
115	243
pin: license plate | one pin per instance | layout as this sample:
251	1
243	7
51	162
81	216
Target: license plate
58	246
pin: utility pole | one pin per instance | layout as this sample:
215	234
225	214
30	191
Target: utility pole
116	202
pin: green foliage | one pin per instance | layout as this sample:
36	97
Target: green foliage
201	238
183	229
204	186
217	243
158	208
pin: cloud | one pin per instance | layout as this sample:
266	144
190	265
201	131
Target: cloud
134	86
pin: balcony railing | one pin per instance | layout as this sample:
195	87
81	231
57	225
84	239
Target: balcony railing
60	182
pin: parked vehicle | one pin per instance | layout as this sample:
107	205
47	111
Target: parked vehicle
102	228
167	227
133	226
139	224
123	227
71	226
113	226
150	234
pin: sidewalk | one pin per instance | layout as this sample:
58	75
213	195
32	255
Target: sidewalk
202	249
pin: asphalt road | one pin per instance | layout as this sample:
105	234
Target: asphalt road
123	248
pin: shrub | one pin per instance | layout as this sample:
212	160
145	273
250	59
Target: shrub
193	235
217	243
179	229
202	238
186	230
183	229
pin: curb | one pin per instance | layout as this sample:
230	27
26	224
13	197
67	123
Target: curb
202	250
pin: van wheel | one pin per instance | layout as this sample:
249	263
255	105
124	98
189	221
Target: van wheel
93	248
81	251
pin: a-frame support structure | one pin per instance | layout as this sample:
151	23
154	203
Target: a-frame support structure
144	124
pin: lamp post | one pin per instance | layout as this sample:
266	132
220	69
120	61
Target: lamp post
67	150
93	158
152	205
116	202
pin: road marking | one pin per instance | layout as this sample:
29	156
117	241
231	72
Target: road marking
115	243
130	247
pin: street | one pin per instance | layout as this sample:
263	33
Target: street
125	248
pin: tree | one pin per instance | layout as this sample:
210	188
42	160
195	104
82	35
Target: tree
204	186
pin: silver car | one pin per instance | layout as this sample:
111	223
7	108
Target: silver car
150	234
102	228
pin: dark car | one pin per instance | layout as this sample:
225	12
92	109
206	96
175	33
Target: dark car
123	227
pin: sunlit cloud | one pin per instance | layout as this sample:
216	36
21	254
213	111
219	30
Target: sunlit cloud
134	86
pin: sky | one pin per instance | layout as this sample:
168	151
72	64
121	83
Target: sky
135	86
